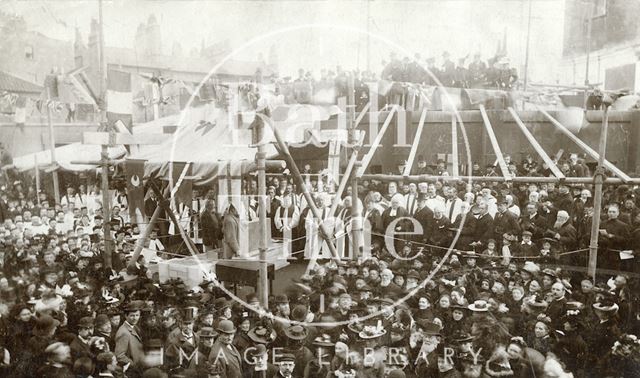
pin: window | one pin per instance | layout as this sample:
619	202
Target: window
600	8
28	52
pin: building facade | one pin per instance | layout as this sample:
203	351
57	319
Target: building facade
613	46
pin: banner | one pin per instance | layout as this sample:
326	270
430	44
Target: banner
119	98
134	173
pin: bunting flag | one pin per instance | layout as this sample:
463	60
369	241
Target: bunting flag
119	98
134	172
20	115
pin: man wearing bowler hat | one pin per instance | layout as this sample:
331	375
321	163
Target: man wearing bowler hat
223	354
206	336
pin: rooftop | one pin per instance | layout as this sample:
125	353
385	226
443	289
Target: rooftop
11	83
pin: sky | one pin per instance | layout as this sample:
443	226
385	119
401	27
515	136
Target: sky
324	33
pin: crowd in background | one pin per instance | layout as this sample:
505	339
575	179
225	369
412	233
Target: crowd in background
509	299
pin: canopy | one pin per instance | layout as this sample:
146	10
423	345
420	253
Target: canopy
207	138
65	155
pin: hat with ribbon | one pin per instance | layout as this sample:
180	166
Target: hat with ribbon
296	332
261	334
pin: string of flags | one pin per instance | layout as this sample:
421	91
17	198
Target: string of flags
15	101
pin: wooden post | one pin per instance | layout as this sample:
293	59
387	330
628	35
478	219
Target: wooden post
494	143
263	279
356	212
376	143
147	231
105	140
597	198
35	161
106	207
52	146
416	143
454	145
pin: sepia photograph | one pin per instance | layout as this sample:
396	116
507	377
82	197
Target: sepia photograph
319	188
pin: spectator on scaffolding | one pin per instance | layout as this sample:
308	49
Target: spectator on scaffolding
461	76
447	72
477	71
432	72
416	72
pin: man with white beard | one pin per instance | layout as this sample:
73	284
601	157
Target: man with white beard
563	231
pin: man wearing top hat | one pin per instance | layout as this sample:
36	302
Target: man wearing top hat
223	354
182	342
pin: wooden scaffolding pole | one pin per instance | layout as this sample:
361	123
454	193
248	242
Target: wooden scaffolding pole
597	198
376	143
147	230
454	145
536	145
262	288
588	150
494	144
416	142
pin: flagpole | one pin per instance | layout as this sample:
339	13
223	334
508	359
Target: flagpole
104	152
52	146
35	161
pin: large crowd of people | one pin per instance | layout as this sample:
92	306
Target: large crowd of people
459	280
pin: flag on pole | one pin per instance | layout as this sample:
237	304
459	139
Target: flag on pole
119	98
134	172
20	113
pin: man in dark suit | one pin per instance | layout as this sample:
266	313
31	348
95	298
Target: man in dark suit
129	349
424	216
224	354
439	230
505	221
211	225
614	237
484	226
533	222
80	344
393	212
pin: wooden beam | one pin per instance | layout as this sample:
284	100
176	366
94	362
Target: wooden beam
454	145
494	143
103	138
536	145
362	113
416	142
345	178
593	154
597	200
367	158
